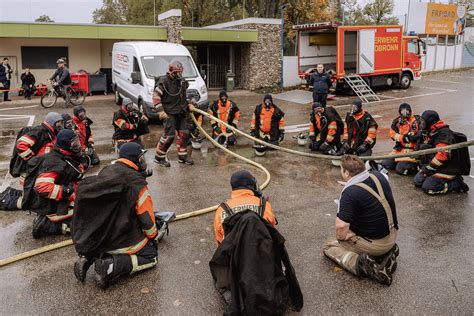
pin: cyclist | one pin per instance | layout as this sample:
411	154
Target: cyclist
61	80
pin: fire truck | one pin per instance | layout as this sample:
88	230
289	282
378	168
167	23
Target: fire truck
379	54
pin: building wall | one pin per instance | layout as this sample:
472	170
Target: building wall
83	54
290	72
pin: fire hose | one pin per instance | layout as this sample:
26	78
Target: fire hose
65	243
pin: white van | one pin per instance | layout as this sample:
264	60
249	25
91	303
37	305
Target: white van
146	61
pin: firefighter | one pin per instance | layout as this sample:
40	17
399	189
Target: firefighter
129	124
83	129
227	111
170	94
51	183
360	132
405	132
366	224
321	82
442	171
267	124
245	195
119	240
325	129
68	122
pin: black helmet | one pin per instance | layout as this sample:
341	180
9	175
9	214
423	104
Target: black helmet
405	110
223	93
243	179
429	118
356	106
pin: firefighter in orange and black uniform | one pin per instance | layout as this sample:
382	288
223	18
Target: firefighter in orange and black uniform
325	129
83	129
51	183
267	124
405	132
227	111
360	132
120	240
245	196
129	124
442	172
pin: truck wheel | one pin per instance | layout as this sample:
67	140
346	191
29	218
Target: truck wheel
405	81
118	99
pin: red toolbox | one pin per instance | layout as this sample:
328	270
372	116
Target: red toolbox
83	81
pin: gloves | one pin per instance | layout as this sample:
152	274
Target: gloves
252	133
228	130
147	173
216	129
324	146
362	148
428	170
67	191
409	138
162	116
346	146
281	137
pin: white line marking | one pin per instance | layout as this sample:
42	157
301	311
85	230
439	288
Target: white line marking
443	81
386	96
442	89
31	118
22	107
376	116
455	76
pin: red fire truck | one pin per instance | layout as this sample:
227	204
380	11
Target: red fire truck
381	55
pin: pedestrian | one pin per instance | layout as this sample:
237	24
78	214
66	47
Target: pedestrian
405	131
247	266
129	124
360	131
226	110
170	95
5	77
83	128
321	82
366	224
61	80
267	124
120	239
325	129
28	83
441	172
51	183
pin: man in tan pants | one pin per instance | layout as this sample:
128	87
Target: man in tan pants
366	224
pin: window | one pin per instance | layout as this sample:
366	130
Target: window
413	47
156	66
42	57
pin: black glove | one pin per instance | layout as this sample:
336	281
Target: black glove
362	148
324	146
228	130
216	129
428	170
67	191
252	133
147	173
346	146
410	138
281	137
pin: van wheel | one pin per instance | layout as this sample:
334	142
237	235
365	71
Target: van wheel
405	81
118	99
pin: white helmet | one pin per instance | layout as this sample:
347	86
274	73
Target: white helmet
196	144
260	150
302	139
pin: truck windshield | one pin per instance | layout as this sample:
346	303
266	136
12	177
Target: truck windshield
156	66
413	47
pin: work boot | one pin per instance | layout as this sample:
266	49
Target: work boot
391	256
81	266
185	159
162	162
368	266
42	226
463	187
104	272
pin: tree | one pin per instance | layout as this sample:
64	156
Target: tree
111	12
379	12
44	18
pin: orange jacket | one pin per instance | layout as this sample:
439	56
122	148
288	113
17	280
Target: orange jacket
266	121
332	129
241	200
223	111
371	132
401	128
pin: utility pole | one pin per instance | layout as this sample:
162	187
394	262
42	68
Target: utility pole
154	12
282	13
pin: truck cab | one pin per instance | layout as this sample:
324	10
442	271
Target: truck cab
413	50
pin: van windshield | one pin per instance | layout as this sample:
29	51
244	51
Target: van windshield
156	66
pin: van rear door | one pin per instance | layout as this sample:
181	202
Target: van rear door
366	51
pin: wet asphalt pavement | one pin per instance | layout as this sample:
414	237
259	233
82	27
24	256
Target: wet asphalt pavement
436	236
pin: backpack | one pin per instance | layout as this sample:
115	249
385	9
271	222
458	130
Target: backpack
31	199
17	164
461	155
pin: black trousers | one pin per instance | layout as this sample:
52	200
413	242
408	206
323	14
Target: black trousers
127	264
174	123
6	86
28	92
320	98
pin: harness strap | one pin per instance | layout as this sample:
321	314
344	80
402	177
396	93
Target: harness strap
380	197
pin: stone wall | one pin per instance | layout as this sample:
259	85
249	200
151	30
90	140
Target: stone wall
261	61
173	26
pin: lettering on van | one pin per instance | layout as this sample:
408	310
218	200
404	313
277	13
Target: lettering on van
386	44
121	61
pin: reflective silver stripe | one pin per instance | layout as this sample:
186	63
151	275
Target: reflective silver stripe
143	198
136	267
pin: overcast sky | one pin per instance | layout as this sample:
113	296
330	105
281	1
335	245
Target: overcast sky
80	11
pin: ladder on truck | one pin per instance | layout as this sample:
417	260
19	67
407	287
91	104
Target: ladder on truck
361	88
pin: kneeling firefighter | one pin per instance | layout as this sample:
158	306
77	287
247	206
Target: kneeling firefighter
360	132
405	131
442	172
120	239
225	110
267	124
247	266
83	128
50	185
129	124
325	129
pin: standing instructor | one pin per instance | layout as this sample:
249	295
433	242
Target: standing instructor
321	82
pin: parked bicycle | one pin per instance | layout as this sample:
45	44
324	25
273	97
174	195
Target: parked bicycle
77	95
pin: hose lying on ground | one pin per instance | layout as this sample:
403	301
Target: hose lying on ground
65	243
4	262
